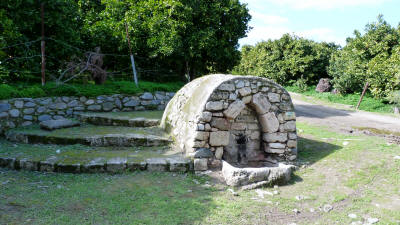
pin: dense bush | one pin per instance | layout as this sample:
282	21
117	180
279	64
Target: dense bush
168	37
89	90
373	57
287	59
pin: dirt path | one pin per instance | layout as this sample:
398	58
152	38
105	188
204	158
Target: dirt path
344	120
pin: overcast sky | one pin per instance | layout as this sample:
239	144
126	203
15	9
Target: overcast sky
319	20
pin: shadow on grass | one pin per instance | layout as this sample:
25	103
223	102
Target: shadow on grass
312	151
318	111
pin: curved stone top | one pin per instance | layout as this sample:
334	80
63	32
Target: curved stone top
220	95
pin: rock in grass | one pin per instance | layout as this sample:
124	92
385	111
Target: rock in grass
58	124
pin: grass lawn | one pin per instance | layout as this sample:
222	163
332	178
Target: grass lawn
353	174
369	103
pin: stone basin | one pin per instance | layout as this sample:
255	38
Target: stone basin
268	175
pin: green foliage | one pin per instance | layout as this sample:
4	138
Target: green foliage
288	59
88	90
21	23
168	37
373	57
394	97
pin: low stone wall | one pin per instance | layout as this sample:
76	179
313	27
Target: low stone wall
25	111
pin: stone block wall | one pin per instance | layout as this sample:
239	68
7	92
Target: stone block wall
25	111
211	113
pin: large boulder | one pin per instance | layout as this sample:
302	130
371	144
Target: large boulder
58	124
324	85
235	176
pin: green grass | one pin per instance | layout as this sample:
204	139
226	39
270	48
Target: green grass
89	90
368	104
89	131
361	177
154	114
81	153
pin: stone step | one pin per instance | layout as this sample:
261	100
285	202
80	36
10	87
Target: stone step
91	135
128	119
84	159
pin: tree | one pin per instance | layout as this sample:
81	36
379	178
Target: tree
186	36
287	59
368	57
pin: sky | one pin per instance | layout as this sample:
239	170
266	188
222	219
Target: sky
319	20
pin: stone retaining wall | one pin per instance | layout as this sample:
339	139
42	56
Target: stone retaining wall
25	111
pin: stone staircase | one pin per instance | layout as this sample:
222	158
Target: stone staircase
105	142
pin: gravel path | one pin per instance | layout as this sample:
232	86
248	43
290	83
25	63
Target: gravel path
339	119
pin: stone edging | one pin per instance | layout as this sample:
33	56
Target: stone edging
117	165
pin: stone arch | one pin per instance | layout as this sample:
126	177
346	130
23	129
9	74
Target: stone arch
202	113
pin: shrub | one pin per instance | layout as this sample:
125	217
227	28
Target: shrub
373	57
7	91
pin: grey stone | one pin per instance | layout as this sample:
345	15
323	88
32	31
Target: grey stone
200	164
275	137
292	136
226	87
83	99
79	108
3	115
203	153
178	164
58	117
89	102
19	104
219	138
146	96
94	107
29	104
273	97
289	116
65	99
245	91
29	111
269	122
44	118
27	117
220	123
234	109
247	99
244	176
116	165
286	106
57	124
289	126
14	113
45	101
275	150
68	168
276	145
205	116
219	151
29	165
4	107
132	103
60	105
41	109
239	84
26	123
292	144
201	135
232	96
73	103
118	103
260	103
323	85
214	106
108	106
157	164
